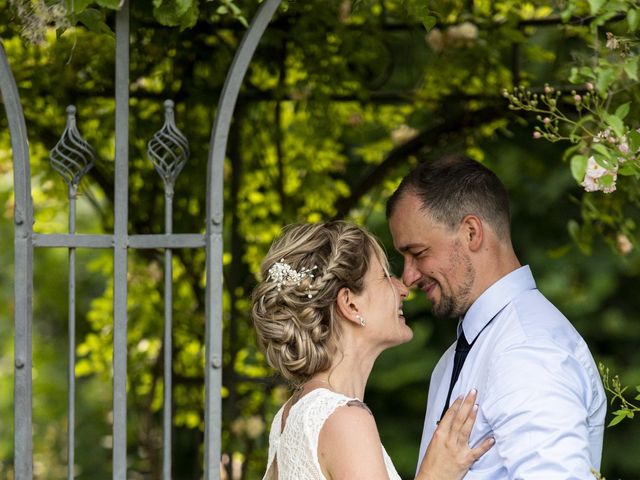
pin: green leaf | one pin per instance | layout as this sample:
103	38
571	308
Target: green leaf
631	68
615	123
602	150
112	4
574	230
622	110
429	22
574	75
94	20
566	14
606	180
172	13
78	6
568	153
632	19
628	169
633	137
595	6
617	420
582	74
605	78
579	124
579	167
604	18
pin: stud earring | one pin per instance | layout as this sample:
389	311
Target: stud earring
361	320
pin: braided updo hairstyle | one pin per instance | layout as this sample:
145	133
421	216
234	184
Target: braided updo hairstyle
297	324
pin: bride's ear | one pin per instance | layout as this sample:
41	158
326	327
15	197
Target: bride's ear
347	305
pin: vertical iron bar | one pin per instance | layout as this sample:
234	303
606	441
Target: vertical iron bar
213	240
23	271
120	245
168	344
71	399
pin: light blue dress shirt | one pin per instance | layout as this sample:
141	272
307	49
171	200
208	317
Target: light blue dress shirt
539	390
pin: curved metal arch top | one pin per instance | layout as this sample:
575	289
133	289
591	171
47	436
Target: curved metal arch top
214	242
23	272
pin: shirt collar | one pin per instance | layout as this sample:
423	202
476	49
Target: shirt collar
494	299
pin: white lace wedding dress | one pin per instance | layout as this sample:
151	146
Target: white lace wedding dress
296	448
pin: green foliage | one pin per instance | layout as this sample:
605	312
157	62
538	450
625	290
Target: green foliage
37	15
606	139
626	409
341	99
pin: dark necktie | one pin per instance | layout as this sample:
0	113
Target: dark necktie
462	349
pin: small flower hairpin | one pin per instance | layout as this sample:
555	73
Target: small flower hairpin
281	273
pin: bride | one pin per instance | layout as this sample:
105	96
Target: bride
326	308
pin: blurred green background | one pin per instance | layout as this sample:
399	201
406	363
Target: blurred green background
341	100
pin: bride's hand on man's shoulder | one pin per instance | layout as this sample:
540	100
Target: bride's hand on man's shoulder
449	455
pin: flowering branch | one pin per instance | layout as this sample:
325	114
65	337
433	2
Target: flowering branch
604	154
617	391
605	146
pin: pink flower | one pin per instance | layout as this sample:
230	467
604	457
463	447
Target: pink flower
594	170
612	41
577	98
624	244
590	184
537	134
590	86
546	120
435	39
624	148
594	174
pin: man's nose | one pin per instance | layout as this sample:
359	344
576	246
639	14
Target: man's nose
410	275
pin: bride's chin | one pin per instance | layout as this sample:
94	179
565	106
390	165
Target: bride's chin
408	334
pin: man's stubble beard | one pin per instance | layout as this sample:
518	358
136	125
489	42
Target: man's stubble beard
456	304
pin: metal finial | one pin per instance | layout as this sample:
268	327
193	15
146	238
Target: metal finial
169	149
72	156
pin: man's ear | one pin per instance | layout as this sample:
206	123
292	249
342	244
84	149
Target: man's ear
472	232
347	307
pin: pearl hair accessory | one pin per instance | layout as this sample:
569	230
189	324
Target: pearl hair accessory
281	274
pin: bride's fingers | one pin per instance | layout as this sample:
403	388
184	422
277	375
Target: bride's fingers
465	431
447	421
482	448
465	411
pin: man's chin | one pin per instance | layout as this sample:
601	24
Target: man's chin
438	311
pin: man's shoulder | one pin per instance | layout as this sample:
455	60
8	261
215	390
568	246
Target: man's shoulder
532	318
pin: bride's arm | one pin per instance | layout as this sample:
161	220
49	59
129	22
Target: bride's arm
349	446
448	456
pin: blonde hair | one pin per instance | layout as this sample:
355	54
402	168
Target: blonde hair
299	333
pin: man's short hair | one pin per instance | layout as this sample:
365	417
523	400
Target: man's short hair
455	186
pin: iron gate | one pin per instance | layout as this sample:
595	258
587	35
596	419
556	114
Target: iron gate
72	157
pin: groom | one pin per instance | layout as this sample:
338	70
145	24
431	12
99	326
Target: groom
540	394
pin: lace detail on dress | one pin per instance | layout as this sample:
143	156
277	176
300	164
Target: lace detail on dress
296	448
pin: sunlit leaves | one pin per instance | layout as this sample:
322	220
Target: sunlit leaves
182	13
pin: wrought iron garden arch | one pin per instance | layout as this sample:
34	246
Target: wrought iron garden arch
25	240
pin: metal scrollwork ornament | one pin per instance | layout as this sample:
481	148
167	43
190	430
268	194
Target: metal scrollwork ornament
72	157
168	149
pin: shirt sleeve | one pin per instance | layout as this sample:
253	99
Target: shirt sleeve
537	404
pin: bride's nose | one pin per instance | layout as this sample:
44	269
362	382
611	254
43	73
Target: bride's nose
401	288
